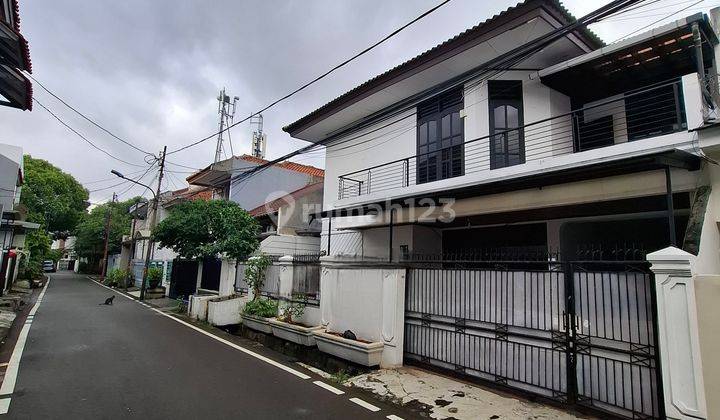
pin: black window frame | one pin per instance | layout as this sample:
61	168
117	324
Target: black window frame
440	153
505	93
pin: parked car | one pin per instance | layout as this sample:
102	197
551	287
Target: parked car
49	266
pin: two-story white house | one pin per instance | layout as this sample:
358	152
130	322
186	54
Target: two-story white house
489	213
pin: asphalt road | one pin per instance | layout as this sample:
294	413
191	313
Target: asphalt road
83	360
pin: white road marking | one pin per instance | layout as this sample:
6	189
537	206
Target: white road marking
222	340
329	387
394	417
365	405
8	385
4	405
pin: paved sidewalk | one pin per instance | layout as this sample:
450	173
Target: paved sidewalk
443	397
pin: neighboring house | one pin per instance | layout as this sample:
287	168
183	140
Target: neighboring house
286	224
134	246
68	259
495	221
226	178
282	196
15	89
13	226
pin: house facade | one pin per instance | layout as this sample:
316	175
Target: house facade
489	212
280	196
135	246
13	226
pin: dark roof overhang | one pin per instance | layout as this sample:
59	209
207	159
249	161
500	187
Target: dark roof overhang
462	41
657	55
15	88
672	158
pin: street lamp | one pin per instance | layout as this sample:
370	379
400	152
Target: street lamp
143	286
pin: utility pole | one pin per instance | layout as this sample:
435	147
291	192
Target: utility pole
108	216
151	224
226	109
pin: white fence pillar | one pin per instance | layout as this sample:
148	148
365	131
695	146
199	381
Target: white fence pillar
286	276
227	277
679	343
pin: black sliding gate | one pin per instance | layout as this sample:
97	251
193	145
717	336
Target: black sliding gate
578	333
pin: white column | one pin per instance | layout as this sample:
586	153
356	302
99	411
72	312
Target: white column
227	277
679	344
286	276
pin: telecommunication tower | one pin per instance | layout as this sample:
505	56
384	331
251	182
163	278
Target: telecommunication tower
259	139
226	110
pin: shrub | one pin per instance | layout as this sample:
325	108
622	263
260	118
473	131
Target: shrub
265	308
292	310
117	277
83	268
255	273
154	277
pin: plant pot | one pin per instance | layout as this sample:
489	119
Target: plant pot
225	311
257	323
155	293
294	333
366	354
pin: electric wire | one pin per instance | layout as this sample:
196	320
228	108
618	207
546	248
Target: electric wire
83	137
88	119
316	79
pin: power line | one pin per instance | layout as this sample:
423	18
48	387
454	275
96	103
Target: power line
503	62
83	137
88	119
657	21
108	179
318	78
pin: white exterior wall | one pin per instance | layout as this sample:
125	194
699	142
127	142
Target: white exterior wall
369	301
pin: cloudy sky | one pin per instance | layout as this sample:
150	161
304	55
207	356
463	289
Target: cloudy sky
150	70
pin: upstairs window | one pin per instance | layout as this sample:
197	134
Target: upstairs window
507	143
440	137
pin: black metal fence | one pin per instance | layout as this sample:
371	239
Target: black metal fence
651	111
574	332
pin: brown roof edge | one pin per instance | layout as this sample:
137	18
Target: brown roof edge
553	7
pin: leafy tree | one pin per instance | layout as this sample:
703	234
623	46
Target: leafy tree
53	198
91	230
199	228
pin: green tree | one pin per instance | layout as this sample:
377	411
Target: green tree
53	198
91	230
199	228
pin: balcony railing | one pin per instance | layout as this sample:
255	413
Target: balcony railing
652	111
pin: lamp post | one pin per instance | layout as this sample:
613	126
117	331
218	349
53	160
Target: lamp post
151	217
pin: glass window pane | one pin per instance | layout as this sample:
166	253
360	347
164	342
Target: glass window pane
513	142
432	131
500	116
499	144
445	124
512	116
456	123
422	133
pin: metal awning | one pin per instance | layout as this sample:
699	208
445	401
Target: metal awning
660	54
671	158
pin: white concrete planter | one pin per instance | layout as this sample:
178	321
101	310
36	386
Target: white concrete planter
294	333
257	323
225	312
366	354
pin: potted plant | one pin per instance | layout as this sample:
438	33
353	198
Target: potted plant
287	325
347	346
154	278
257	314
